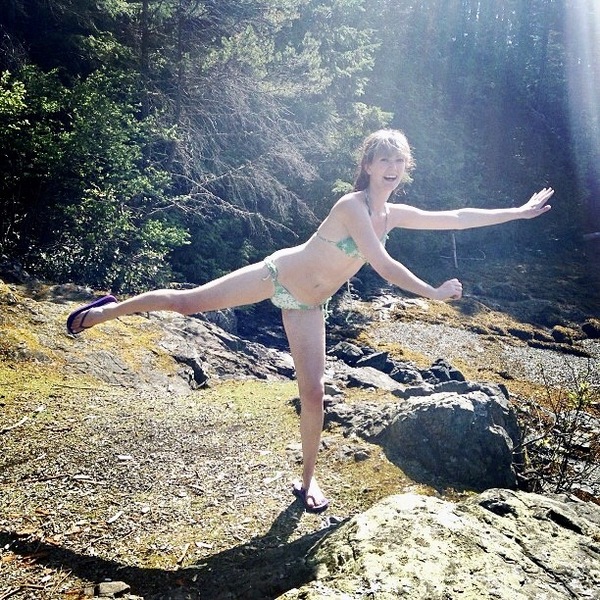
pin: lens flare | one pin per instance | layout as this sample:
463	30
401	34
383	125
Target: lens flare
582	20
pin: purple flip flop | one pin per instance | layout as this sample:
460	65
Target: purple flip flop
300	493
100	302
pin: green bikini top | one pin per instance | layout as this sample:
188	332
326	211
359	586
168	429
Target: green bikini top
347	245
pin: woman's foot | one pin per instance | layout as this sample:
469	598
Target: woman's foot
313	499
87	316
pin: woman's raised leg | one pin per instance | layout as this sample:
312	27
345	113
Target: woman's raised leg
245	286
305	330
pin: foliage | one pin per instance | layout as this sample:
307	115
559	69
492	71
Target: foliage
81	186
131	127
560	438
481	95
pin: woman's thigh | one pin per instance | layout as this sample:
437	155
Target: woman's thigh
305	330
244	286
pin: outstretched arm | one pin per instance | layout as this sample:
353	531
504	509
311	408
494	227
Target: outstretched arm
409	217
352	214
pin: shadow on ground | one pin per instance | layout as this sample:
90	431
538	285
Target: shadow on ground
263	568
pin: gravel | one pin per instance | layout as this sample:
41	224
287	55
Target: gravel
482	352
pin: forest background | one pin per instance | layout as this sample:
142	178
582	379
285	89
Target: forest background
147	141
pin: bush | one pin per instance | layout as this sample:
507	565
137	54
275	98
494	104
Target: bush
561	439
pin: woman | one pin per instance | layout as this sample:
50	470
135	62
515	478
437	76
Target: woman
300	280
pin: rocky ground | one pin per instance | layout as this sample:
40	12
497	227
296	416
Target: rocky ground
111	472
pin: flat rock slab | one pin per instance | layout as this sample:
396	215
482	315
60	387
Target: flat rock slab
498	545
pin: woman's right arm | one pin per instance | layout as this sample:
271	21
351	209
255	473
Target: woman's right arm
355	219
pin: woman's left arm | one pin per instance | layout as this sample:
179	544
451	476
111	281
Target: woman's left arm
402	215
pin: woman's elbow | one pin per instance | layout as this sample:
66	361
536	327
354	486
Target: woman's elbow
385	269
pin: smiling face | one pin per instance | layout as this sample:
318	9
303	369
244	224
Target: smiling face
387	169
386	160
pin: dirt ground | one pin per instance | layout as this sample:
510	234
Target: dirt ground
184	495
176	495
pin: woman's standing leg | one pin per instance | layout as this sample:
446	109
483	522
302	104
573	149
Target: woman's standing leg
305	330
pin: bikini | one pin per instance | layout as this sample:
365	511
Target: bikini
284	299
348	246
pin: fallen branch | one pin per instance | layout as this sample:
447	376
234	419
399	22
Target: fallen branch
116	516
183	554
38	410
11	427
33	586
46	478
10	592
61	581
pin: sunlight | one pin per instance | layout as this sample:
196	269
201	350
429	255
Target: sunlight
583	71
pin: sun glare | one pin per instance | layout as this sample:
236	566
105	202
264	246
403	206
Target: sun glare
582	18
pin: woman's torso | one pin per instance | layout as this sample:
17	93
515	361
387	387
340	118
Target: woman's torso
315	270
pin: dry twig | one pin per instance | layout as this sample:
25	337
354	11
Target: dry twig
11	427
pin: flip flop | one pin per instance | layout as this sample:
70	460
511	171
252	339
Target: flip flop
301	494
100	302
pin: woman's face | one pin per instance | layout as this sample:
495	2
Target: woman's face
386	169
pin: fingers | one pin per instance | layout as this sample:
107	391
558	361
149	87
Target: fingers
456	288
451	290
541	197
537	204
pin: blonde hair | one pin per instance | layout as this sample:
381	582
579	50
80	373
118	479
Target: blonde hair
383	141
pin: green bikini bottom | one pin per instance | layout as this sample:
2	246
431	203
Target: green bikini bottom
282	297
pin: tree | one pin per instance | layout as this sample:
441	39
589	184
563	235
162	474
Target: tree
133	125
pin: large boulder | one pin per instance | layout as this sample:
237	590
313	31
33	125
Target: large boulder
460	434
464	433
498	545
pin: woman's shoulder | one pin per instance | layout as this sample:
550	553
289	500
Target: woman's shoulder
350	202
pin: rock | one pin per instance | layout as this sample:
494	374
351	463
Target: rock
361	455
193	371
465	438
561	348
225	319
500	544
365	420
565	335
347	352
406	373
520	333
377	360
112	589
12	271
332	390
457	433
591	328
208	351
441	370
368	377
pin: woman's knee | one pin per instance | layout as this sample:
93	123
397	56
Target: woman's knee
181	301
311	396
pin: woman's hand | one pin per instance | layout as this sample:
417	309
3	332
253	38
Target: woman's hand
536	205
449	290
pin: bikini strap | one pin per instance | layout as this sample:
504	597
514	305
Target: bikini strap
368	201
